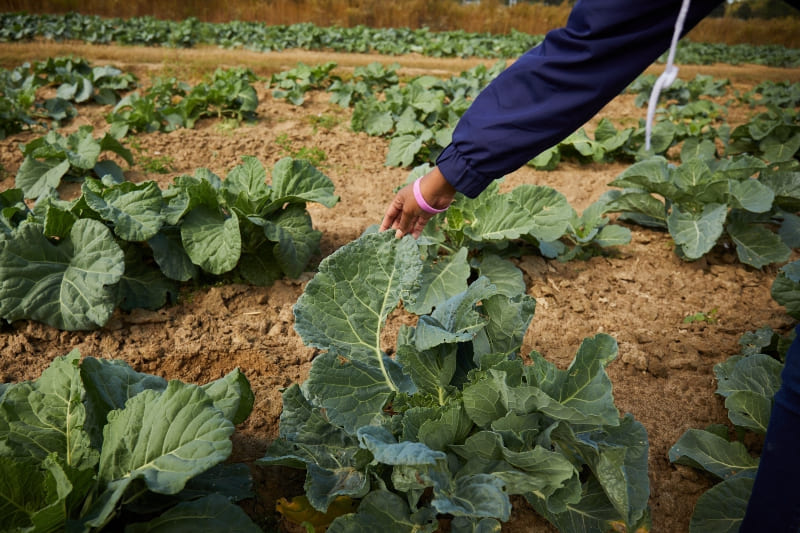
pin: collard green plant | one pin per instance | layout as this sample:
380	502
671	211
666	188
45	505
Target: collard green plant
294	83
704	201
54	157
748	382
89	440
532	215
71	264
454	422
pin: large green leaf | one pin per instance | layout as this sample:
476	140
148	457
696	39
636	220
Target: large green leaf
455	320
581	394
165	438
232	395
617	456
170	255
786	288
387	450
109	385
332	457
509	319
752	195
756	245
32	498
592	512
48	416
478	495
697	233
440	280
353	392
549	210
497	218
748	385
503	274
70	285
430	370
710	452
296	239
298	181
133	209
212	239
721	508
345	305
37	178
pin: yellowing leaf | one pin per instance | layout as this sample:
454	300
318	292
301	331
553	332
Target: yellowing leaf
300	511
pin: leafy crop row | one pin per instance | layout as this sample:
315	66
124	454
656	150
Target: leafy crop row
166	105
150	31
91	441
419	116
75	81
169	104
454	423
69	264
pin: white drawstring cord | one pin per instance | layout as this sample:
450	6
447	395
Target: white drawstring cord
668	76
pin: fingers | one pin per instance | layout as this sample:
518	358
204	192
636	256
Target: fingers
392	215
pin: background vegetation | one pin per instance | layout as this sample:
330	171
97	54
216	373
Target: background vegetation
781	25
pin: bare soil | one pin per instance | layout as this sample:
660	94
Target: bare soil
640	294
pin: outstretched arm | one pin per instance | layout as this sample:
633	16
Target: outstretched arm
547	94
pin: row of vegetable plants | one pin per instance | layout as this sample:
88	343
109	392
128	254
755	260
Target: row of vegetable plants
166	104
149	31
418	116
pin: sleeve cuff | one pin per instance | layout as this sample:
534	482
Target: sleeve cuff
456	170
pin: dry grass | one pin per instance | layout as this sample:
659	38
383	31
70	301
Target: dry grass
488	16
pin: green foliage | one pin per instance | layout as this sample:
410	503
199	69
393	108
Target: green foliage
170	104
773	135
366	82
766	93
91	439
680	92
75	80
53	158
709	317
294	83
529	215
454	423
705	200
70	264
748	381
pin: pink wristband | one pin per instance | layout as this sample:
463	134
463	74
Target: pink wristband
421	201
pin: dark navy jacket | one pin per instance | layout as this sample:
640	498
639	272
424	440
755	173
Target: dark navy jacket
556	87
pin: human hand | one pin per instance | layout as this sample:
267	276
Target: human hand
405	215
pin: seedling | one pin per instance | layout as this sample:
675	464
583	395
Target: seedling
709	317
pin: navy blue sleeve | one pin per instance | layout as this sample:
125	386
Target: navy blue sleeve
559	85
